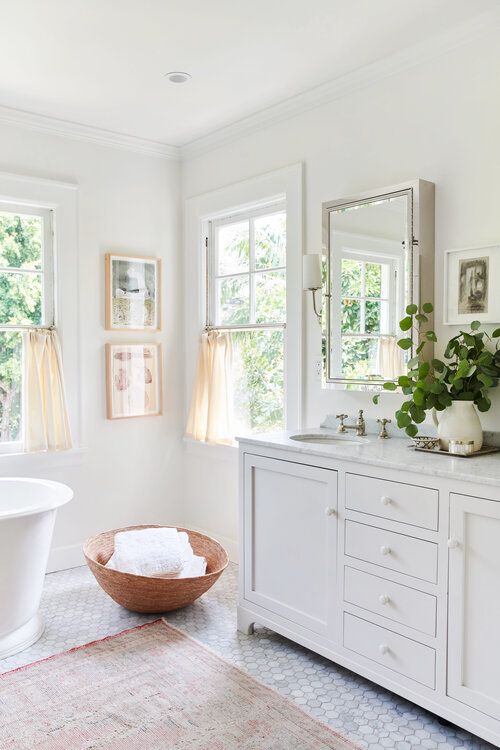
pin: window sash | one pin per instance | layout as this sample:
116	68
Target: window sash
212	261
46	270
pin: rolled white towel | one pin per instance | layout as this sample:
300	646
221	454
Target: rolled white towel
187	550
196	566
150	552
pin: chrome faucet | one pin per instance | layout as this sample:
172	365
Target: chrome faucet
359	425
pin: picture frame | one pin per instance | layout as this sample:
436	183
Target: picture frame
469	293
134	380
133	292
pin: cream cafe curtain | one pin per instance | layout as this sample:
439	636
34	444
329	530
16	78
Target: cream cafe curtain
390	358
46	423
211	413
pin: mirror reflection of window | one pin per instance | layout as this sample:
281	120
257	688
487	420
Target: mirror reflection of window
369	288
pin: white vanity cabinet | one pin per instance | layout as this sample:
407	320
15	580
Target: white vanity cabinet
474	603
385	565
287	505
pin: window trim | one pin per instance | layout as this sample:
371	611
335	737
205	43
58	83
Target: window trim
61	199
285	183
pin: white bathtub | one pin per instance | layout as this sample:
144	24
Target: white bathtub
27	513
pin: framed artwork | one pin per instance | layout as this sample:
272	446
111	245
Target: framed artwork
133	293
133	380
469	285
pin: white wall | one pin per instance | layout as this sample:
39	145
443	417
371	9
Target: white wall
127	202
440	122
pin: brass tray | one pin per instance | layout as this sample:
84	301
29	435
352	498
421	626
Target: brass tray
438	451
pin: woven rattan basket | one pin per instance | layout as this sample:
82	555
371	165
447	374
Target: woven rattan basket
145	594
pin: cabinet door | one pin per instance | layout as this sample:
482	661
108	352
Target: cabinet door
290	532
474	603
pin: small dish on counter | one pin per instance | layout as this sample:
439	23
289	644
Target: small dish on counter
426	443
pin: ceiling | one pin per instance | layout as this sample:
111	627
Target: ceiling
101	62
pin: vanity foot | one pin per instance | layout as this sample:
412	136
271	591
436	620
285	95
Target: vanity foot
245	622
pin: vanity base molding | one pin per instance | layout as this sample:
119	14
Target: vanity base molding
406	602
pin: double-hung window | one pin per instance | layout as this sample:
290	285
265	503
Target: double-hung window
246	296
368	287
26	301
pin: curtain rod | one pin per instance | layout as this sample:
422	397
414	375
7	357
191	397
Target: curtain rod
256	327
20	327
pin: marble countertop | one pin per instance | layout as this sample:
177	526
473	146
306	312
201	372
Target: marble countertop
394	453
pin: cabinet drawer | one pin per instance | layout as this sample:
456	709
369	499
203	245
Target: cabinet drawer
417	506
405	554
391	650
405	605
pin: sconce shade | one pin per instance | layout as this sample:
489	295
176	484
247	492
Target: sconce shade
311	271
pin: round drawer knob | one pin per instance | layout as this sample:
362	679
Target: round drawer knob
385	500
384	649
384	550
452	543
384	599
330	511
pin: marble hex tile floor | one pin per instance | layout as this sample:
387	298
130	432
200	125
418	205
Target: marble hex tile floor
77	611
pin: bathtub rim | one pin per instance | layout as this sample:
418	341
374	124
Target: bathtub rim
62	494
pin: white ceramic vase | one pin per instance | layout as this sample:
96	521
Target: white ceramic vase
459	421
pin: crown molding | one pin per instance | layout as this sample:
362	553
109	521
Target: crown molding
87	133
336	88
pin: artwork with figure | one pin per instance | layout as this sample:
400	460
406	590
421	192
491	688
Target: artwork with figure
132	293
473	286
133	380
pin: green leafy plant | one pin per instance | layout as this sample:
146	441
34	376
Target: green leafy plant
466	373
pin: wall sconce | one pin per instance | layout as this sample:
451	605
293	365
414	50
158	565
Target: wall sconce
312	278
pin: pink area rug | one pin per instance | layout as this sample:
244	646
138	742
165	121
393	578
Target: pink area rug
150	688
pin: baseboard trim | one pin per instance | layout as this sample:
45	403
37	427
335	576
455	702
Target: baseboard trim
63	558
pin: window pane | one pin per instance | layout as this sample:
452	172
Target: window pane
350	278
259	382
270	297
233	302
270	240
351	316
233	248
10	386
20	240
20	298
359	357
372	317
373	280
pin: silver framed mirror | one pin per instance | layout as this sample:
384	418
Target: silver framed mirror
379	258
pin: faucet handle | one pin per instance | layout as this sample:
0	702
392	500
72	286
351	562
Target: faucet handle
341	427
383	432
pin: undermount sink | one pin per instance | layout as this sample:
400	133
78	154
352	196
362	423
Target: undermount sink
328	439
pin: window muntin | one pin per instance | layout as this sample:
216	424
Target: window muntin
26	301
246	287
